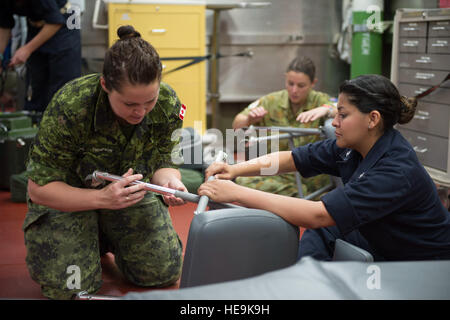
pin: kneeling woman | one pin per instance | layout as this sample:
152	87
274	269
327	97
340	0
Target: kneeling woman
120	121
388	205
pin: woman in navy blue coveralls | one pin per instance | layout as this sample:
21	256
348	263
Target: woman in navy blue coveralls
53	49
388	205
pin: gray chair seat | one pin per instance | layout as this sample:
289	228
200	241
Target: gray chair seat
230	244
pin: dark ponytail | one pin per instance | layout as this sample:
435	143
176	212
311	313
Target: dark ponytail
127	32
375	92
408	109
131	60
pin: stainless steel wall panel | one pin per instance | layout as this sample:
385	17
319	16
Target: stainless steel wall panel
275	35
246	79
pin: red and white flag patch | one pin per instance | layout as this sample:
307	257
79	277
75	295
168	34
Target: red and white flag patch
182	113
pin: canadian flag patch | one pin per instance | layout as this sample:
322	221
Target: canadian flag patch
182	112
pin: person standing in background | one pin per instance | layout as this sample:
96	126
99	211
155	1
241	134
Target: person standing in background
52	52
120	122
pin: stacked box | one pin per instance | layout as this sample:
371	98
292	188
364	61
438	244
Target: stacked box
16	135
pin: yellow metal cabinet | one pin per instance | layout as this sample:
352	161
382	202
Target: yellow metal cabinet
175	31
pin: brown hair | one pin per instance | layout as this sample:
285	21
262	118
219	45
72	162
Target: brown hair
131	59
304	65
375	92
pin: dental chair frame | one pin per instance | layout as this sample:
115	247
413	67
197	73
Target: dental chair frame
236	243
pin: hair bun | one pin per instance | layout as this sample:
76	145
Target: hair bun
408	108
127	32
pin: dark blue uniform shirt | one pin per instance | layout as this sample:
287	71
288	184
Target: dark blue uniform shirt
388	196
41	10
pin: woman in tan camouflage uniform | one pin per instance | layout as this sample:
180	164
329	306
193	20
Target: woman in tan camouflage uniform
121	121
296	106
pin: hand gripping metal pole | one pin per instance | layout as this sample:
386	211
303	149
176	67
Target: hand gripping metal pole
98	176
203	202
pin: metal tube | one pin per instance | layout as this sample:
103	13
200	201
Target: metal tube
253	140
299	131
203	202
298	177
148	186
190	197
84	295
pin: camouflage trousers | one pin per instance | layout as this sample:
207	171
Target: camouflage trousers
63	253
284	184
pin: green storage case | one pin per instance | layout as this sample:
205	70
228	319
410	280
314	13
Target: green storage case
18	187
16	135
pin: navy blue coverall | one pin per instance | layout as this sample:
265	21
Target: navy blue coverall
388	205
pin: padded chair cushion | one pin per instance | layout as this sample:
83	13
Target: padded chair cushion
344	251
230	244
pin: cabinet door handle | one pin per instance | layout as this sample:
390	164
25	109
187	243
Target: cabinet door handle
158	30
423	61
440	43
418	150
424	76
411	43
419	117
421	90
438	28
410	29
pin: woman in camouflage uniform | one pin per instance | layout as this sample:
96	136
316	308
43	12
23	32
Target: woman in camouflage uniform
296	106
121	121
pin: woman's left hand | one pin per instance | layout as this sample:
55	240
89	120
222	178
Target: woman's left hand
219	190
313	114
176	185
20	57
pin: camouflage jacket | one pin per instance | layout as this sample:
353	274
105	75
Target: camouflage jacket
79	133
280	114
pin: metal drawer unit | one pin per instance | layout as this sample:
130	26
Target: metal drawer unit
420	60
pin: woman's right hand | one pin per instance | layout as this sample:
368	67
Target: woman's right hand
220	170
120	194
256	114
